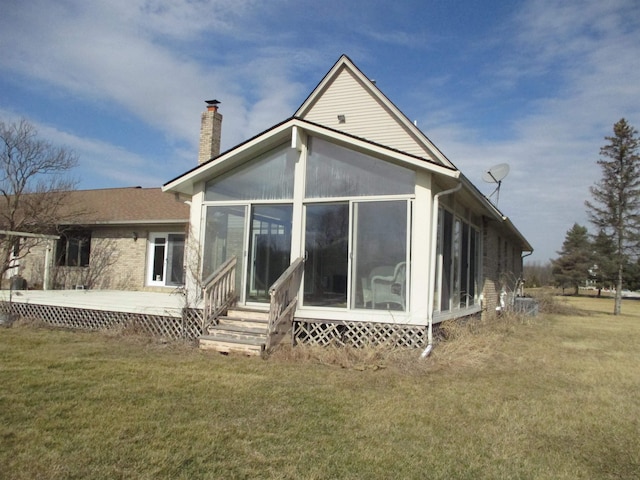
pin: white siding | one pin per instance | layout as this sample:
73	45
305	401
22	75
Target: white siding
365	115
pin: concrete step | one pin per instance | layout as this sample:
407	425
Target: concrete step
225	344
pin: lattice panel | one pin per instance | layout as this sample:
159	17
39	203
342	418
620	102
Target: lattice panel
187	327
359	334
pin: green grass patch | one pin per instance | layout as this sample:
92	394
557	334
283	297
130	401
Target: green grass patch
551	397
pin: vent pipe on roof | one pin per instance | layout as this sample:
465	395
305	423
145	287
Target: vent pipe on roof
210	132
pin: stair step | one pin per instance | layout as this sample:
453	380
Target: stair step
230	345
240	328
238	336
249	314
243	322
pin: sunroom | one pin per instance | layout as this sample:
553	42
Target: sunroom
358	213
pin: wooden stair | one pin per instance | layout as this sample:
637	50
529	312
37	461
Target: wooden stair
241	330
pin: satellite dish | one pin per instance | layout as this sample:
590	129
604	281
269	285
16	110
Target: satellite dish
495	175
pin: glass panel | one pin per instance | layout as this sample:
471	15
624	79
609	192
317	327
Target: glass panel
438	266
327	249
447	261
464	267
158	260
380	268
224	238
267	177
457	234
175	260
270	247
473	262
334	171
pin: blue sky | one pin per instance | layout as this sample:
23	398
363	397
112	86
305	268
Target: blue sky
536	84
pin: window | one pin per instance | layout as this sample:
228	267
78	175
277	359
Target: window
267	177
74	249
457	270
335	171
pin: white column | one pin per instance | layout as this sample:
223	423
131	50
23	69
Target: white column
420	248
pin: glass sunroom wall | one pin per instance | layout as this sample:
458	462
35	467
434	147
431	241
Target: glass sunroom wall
377	229
224	236
327	250
458	253
380	263
336	171
267	177
230	199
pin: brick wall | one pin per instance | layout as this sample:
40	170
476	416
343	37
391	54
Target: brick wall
501	265
117	262
210	131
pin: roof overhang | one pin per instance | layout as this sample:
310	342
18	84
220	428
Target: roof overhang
494	213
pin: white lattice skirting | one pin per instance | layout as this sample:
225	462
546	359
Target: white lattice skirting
359	334
174	328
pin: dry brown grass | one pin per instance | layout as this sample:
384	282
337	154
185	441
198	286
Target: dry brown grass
551	397
458	343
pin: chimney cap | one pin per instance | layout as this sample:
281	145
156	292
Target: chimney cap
212	102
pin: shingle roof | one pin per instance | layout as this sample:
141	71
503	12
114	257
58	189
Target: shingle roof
125	206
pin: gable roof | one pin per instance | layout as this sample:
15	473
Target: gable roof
347	100
348	108
124	206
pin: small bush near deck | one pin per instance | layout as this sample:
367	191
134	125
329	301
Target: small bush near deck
555	397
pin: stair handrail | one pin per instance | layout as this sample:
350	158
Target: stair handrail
219	291
284	299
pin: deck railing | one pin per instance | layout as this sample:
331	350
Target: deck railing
219	291
284	299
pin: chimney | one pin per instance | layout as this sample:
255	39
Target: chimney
210	129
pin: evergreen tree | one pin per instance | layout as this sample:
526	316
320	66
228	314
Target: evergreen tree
615	208
604	270
576	259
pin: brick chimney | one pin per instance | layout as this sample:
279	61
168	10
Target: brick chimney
210	130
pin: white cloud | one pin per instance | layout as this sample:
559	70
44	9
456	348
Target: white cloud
590	54
115	52
158	60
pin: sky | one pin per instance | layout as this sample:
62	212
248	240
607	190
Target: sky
536	84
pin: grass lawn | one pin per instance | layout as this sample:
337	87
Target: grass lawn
555	397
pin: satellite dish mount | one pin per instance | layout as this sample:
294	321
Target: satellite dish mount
495	175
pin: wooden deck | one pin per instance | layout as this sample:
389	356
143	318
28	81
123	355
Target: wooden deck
143	303
158	314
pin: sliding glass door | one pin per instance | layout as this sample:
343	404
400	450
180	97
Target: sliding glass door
262	245
357	255
327	253
269	249
380	255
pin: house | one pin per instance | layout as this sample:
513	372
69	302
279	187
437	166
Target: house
390	236
118	238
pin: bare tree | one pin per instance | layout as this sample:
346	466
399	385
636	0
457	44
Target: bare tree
34	183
